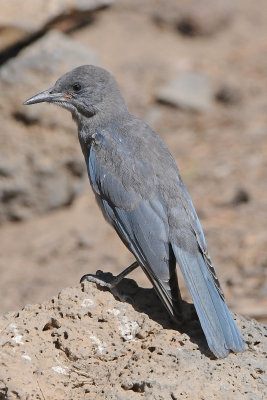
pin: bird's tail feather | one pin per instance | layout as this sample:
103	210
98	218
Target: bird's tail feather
217	323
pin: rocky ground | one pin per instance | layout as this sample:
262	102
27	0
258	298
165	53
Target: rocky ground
84	344
195	70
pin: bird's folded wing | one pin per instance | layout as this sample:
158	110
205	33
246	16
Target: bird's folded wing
141	224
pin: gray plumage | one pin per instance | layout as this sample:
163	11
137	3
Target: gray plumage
139	189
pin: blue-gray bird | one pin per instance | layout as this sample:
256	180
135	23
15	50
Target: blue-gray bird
141	194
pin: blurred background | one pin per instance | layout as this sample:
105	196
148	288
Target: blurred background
195	70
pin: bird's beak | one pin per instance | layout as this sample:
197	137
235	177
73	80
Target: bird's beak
48	96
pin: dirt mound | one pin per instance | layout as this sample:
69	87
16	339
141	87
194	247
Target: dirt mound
85	344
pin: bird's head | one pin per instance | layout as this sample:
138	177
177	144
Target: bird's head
85	91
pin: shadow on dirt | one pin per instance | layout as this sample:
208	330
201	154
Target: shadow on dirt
146	301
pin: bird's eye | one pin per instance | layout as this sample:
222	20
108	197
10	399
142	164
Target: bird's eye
76	87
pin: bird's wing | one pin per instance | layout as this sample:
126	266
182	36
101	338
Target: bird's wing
143	227
217	323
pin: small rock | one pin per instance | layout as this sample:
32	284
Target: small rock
7	169
76	166
16	212
9	191
241	196
83	241
57	190
194	17
228	95
190	91
51	324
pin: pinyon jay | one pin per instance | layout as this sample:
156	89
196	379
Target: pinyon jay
141	194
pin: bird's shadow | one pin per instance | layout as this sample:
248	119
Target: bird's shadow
145	300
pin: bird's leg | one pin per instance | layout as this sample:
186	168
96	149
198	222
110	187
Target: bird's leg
106	279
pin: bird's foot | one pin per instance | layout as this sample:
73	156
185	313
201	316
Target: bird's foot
103	279
107	279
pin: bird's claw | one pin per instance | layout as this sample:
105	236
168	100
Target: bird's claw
103	279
